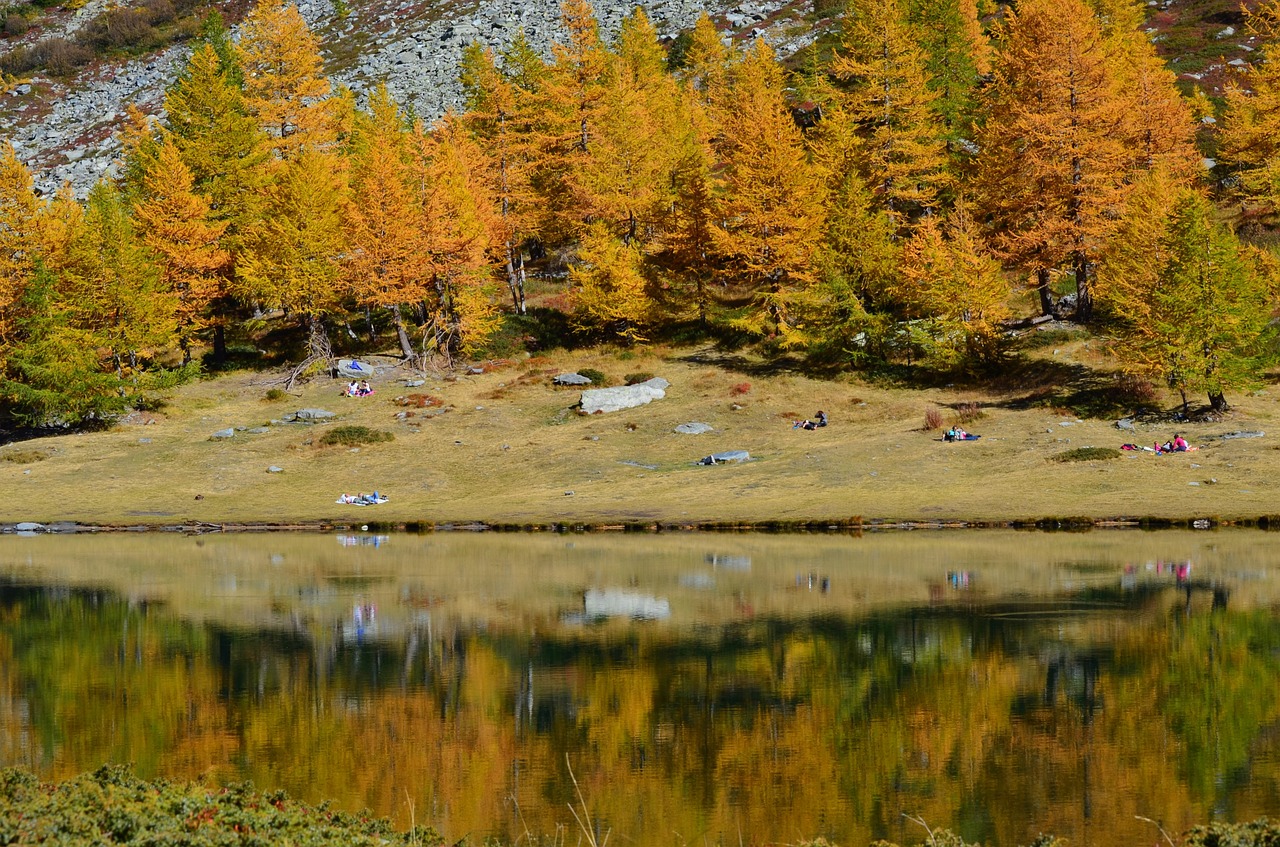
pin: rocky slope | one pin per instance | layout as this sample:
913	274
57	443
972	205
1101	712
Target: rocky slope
65	129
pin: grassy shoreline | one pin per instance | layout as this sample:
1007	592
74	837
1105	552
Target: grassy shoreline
504	449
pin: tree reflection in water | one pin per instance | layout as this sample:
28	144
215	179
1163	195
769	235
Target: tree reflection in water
997	717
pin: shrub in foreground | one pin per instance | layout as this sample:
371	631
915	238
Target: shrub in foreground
112	805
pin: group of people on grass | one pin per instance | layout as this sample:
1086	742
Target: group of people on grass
358	389
1177	444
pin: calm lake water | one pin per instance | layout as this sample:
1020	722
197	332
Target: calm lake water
701	689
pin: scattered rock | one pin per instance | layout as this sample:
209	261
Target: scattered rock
1241	434
414	383
30	526
275	469
1127	424
229	432
693	428
727	456
144	440
258	430
571	379
599	400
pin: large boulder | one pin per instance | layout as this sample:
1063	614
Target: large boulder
571	379
693	428
355	369
623	396
313	415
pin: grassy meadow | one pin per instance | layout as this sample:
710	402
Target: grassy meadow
505	446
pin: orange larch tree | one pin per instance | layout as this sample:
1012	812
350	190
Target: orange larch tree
770	200
284	84
1053	165
386	263
19	239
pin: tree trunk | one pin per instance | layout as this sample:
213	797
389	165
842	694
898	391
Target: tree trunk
373	331
406	349
1046	294
515	277
1218	402
1084	291
219	344
318	345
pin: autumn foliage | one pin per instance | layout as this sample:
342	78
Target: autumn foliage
955	156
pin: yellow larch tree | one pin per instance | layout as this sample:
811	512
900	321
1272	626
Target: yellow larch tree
291	256
625	180
707	62
952	283
609	287
19	239
571	101
771	200
465	230
888	98
113	284
284	84
501	114
1054	164
175	223
386	263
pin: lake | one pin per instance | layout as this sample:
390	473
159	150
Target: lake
667	689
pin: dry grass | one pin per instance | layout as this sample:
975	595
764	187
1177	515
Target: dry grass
512	459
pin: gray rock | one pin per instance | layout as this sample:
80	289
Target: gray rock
355	369
22	90
229	432
727	456
693	428
1126	424
1241	434
275	469
29	526
257	430
571	379
144	440
313	415
414	383
596	400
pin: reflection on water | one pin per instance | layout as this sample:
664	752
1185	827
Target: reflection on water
708	689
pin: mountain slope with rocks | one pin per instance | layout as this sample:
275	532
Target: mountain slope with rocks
65	128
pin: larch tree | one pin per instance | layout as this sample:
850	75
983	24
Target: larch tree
770	205
609	286
707	62
464	231
1206	325
285	88
951	283
291	260
19	240
571	102
175	224
859	256
1250	141
625	180
889	99
1053	164
501	114
386	263
226	153
956	53
114	287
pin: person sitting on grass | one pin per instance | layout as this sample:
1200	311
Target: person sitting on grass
353	388
365	389
808	424
1179	443
955	434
